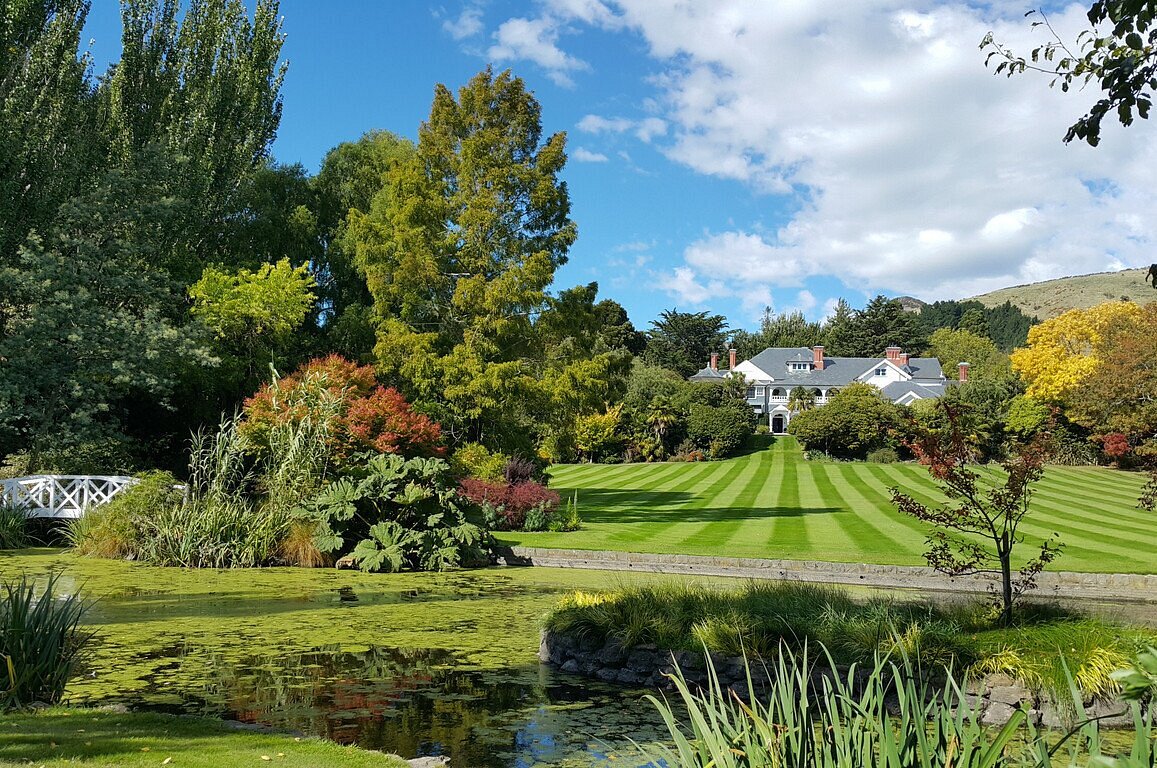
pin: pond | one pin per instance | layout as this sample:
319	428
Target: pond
417	664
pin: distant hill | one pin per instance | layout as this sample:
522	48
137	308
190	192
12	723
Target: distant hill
1052	297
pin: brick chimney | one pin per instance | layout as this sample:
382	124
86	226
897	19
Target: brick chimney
962	372
903	361
893	354
818	358
731	360
714	361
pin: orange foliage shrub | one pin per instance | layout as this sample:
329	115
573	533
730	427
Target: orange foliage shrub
361	415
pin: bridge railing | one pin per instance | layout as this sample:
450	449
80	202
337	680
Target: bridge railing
61	495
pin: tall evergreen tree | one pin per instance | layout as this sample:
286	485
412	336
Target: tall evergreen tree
837	331
884	323
683	341
791	329
459	255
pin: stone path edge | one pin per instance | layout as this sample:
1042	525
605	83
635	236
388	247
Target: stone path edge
1061	584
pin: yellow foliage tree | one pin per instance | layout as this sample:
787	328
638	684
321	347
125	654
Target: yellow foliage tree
1061	352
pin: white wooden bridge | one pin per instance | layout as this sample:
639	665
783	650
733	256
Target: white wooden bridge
66	496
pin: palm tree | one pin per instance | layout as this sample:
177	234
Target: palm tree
801	399
661	416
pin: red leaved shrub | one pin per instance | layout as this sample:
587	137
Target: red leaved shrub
361	414
1115	445
512	502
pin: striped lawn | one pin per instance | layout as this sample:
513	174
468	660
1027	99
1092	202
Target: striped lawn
773	503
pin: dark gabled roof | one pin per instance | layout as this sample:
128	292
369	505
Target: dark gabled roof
707	374
837	370
898	389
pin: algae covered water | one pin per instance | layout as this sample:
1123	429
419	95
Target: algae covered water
417	664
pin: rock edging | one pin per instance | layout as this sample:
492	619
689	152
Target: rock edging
995	697
1050	584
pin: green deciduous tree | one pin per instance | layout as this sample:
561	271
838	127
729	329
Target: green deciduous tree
48	149
86	323
1120	57
857	421
253	316
207	88
962	346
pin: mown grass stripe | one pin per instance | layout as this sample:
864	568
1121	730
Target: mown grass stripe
787	531
765	504
710	518
738	497
844	491
828	510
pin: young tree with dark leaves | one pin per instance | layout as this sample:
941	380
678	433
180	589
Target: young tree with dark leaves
977	530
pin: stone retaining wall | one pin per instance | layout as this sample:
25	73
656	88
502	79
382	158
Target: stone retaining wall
996	697
1050	584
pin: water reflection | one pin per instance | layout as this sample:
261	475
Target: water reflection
410	701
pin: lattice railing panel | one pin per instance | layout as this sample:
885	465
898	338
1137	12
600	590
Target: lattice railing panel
61	495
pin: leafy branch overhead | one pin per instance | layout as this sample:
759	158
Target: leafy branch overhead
1121	60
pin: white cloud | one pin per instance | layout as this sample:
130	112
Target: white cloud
650	127
686	286
910	166
591	12
583	155
598	124
635	246
923	173
468	24
535	40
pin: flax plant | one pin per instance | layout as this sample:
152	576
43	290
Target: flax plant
41	642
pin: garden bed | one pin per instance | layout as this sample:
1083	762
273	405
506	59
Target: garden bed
638	635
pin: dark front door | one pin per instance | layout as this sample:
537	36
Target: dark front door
778	424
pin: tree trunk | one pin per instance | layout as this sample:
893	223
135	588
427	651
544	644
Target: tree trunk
1005	554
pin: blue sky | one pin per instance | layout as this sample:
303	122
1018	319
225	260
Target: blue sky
729	155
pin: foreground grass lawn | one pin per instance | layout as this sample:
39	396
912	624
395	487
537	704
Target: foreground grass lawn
775	504
60	736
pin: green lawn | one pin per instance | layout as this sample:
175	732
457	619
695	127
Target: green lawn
68	737
775	504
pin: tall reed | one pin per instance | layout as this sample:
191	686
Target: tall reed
889	718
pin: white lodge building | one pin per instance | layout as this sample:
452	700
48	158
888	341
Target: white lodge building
775	372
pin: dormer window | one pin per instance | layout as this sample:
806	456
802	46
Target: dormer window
881	371
794	366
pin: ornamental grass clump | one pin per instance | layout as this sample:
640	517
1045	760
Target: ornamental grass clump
41	642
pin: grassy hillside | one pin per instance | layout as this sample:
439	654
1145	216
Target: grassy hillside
1052	297
775	504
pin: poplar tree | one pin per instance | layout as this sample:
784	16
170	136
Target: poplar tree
46	110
